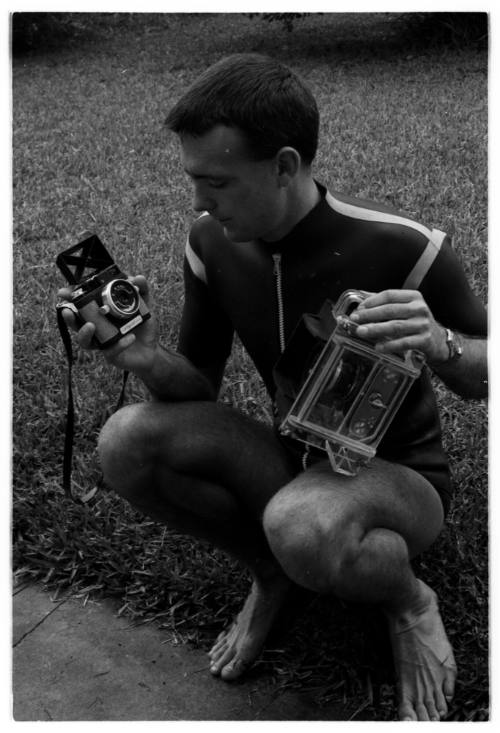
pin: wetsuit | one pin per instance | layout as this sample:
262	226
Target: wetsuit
260	290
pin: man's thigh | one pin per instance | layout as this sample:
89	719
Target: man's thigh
208	441
383	495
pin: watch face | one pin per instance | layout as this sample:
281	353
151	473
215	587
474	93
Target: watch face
454	348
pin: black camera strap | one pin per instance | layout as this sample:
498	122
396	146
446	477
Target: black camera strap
70	412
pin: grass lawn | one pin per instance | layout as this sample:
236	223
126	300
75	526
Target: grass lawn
402	122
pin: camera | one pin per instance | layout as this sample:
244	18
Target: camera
103	294
335	392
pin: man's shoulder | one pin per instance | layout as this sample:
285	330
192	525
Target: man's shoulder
378	218
205	231
206	246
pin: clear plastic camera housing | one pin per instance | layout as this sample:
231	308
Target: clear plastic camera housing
351	394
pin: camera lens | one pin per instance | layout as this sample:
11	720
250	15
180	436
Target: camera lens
346	380
122	298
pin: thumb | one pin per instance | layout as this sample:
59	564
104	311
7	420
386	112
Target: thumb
140	282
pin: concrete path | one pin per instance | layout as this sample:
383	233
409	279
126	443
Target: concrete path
74	662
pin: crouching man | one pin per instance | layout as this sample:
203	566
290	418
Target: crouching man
270	244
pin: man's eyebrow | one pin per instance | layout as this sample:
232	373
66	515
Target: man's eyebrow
205	176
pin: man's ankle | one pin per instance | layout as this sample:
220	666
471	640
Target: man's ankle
404	610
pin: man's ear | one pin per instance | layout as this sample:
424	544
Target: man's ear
288	163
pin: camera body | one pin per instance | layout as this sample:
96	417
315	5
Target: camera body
103	294
336	392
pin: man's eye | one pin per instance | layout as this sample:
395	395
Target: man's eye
216	184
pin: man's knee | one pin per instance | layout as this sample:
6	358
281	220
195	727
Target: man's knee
126	448
143	441
316	549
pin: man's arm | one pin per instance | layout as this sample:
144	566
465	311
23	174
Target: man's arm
170	377
467	376
206	332
398	320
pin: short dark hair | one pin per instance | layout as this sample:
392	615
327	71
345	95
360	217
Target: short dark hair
259	96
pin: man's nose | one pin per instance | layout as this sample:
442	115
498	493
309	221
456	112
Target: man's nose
202	201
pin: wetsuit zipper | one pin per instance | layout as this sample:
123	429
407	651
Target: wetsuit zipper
278	279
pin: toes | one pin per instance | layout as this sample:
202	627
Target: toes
234	669
441	702
219	644
227	664
431	710
441	706
218	653
421	710
217	665
221	636
224	660
406	711
449	685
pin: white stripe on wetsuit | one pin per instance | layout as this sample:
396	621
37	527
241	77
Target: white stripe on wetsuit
196	265
435	237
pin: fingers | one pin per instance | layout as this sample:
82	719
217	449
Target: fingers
399	334
401	346
85	332
85	335
113	351
64	294
396	320
85	339
389	296
69	315
391	305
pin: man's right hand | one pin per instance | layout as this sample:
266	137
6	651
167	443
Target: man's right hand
136	350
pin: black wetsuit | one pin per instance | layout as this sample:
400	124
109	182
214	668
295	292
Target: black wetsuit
260	290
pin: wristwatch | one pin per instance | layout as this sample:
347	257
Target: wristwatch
455	350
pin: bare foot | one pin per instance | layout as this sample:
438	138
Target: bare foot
236	648
423	660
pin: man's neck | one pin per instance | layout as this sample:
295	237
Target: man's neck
300	202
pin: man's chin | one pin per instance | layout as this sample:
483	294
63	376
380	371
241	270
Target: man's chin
234	235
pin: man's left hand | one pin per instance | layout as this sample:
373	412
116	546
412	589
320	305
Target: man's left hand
398	320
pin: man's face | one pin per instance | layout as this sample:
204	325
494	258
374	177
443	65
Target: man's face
241	193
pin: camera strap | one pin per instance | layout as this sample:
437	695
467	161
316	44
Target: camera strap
70	411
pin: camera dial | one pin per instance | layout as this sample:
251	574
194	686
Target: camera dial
120	299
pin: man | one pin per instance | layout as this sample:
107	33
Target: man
271	244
